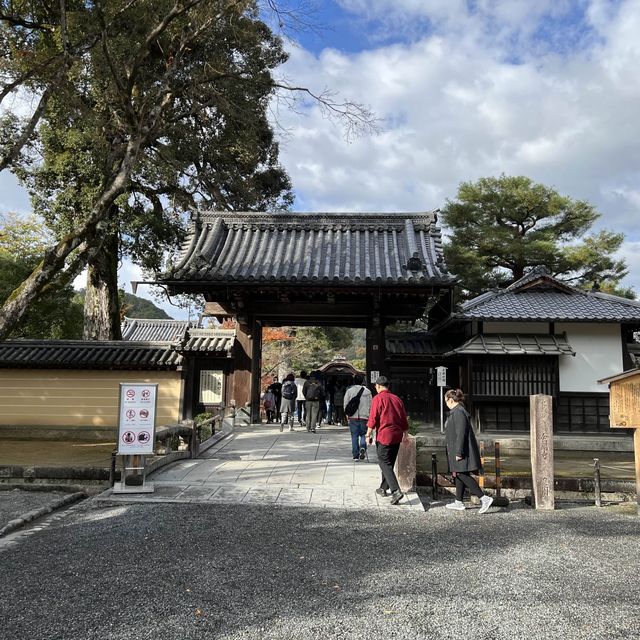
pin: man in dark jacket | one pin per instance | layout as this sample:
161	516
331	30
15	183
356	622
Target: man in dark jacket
389	420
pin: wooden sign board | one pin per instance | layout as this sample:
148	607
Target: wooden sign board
624	403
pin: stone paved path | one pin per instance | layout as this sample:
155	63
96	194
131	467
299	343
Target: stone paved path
258	464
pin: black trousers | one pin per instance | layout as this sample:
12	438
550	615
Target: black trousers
387	454
465	481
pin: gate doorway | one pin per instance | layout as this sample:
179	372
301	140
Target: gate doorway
282	269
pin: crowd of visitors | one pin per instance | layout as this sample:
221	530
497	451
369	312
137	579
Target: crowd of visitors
381	419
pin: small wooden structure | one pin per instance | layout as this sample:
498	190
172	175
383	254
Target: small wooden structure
624	402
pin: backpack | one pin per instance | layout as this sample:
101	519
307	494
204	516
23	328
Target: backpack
354	404
289	390
313	391
269	400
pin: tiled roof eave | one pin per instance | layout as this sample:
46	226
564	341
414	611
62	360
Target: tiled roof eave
515	345
547	318
94	355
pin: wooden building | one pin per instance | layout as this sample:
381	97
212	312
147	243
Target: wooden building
293	269
540	335
368	270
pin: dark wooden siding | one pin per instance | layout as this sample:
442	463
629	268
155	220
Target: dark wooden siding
514	376
583	413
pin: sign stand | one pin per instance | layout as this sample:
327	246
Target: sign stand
624	406
136	435
133	471
441	373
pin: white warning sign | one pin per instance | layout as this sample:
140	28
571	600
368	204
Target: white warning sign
136	418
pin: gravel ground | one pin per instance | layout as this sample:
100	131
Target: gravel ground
229	571
16	502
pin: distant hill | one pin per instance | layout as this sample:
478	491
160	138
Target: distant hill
136	307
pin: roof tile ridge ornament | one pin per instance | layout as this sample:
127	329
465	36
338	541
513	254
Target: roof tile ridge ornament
414	263
538	274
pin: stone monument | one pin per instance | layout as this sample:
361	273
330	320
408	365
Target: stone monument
541	412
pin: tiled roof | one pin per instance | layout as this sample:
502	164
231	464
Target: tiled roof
340	365
543	298
151	329
516	344
209	340
180	332
80	354
414	344
117	354
339	248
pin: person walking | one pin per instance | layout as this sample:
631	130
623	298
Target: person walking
313	395
276	388
288	402
463	454
269	404
357	394
389	420
302	414
338	403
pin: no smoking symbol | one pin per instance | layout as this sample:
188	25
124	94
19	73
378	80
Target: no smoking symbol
131	394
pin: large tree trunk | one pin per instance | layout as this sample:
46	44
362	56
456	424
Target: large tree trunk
55	258
101	304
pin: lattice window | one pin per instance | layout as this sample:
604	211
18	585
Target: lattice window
514	376
584	413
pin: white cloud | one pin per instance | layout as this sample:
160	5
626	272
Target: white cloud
456	107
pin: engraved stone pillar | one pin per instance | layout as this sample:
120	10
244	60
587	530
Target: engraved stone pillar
541	412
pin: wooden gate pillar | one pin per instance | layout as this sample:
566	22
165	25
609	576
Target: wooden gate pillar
246	374
376	348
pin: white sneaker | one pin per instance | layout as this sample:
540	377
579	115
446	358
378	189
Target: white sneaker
485	503
456	506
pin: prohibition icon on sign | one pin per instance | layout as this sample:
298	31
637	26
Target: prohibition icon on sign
131	414
129	437
144	413
146	394
131	394
144	437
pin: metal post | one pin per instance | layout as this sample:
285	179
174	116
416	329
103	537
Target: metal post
481	475
497	464
596	477
434	476
112	469
441	409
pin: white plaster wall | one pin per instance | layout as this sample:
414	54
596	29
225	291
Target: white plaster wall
516	327
598	350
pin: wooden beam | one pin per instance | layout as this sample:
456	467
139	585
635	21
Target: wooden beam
218	310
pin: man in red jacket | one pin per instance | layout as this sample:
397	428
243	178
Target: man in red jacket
389	420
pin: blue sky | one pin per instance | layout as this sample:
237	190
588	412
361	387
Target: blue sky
464	89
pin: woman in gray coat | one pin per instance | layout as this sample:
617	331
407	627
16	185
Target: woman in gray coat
462	452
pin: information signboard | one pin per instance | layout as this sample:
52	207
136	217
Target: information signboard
136	418
441	373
